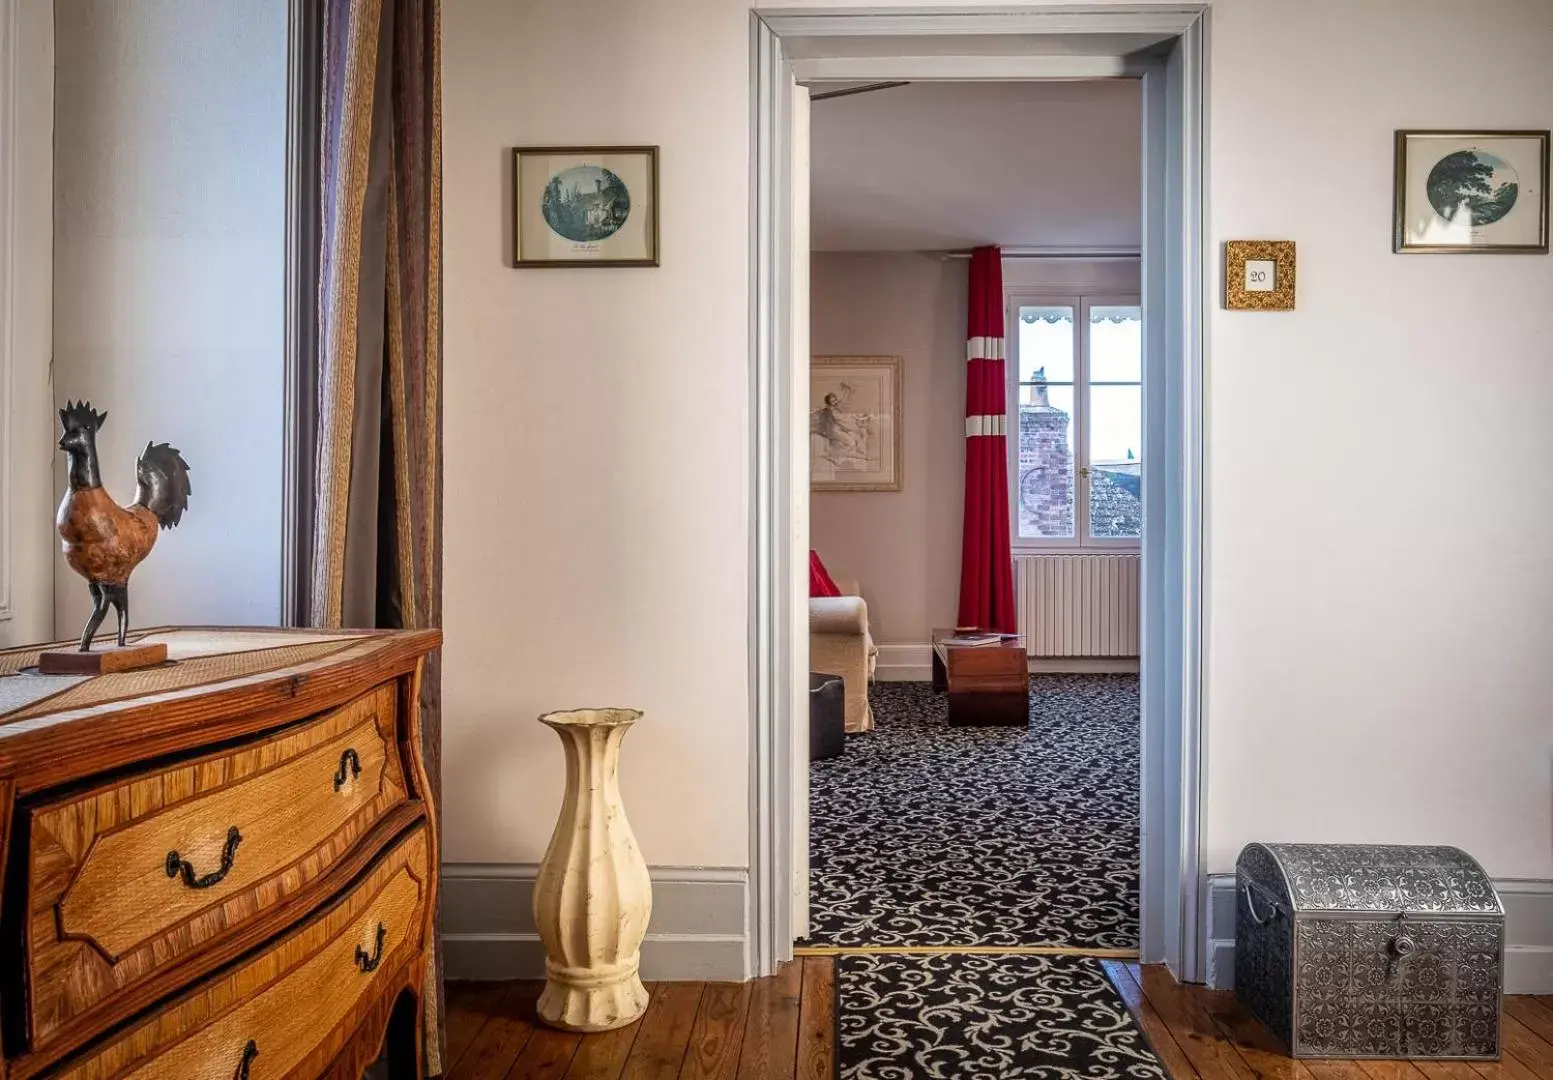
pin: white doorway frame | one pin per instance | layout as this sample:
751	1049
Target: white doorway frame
789	48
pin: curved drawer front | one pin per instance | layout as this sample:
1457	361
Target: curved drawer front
127	879
296	1003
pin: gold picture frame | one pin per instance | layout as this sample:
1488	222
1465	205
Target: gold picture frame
856	411
1259	275
578	206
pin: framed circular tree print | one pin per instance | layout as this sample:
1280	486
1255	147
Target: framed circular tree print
1479	192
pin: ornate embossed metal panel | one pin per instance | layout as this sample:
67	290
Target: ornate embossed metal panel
1349	950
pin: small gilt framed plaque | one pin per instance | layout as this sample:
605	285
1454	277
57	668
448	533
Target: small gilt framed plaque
1259	275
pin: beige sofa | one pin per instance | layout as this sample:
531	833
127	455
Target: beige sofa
840	644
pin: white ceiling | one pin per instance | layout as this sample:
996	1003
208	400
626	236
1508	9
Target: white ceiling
935	166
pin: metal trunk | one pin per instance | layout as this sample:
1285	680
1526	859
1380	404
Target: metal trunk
1370	951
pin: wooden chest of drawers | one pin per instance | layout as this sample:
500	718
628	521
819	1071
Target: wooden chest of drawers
222	867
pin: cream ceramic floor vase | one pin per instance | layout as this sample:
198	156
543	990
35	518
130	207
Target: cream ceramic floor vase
593	897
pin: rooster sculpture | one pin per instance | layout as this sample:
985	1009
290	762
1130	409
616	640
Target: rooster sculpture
104	542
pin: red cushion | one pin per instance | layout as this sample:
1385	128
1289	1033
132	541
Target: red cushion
820	583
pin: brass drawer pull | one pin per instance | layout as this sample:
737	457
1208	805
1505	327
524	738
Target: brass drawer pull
250	1052
369	963
177	865
348	758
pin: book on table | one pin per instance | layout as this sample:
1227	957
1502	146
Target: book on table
968	640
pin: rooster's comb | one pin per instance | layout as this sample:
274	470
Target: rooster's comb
80	416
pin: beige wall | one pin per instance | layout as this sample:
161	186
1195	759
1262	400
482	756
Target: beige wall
1377	592
597	432
169	248
28	436
904	547
1378	587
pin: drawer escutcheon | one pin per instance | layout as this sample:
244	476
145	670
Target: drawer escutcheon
369	963
348	757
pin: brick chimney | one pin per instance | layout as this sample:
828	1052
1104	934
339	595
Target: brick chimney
1045	491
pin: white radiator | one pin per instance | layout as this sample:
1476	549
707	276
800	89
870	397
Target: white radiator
1078	605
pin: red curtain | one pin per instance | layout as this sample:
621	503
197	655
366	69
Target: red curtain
820	581
986	563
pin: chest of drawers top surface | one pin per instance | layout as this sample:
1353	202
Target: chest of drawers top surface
218	683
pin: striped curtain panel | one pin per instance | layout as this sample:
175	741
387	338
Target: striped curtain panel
986	562
377	532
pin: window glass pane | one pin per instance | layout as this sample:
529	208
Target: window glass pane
1040	393
1045	475
1115	344
1115	461
1045	343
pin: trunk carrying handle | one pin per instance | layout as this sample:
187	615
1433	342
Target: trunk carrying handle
1260	920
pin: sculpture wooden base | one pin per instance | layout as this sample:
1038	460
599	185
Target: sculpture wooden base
101	661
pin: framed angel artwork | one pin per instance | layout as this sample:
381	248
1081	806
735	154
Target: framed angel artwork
855	423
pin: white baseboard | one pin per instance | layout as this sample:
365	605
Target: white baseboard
1528	932
1220	923
697	932
1528	954
914	663
904	663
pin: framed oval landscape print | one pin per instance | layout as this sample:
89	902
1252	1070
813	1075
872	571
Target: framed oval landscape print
1475	192
585	206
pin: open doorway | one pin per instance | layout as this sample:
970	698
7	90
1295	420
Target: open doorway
1166	51
988	792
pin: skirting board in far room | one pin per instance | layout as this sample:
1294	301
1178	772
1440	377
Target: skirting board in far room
914	663
1528	960
697	931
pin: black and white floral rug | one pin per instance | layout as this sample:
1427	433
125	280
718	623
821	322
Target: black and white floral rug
923	834
980	1017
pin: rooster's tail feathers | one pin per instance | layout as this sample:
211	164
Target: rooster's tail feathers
164	483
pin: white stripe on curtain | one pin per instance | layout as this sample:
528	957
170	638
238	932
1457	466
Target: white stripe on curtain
983	348
996	424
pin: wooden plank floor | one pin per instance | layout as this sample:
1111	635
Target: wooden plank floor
1202	1034
783	1028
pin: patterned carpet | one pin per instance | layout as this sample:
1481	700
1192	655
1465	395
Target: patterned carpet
985	1018
923	834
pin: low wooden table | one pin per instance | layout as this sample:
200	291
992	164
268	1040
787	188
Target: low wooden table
987	684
